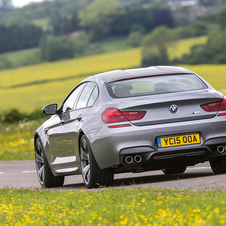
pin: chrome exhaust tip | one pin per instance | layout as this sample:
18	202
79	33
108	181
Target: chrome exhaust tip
137	159
129	159
220	149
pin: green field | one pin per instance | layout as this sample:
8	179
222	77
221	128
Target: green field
101	207
110	44
43	23
22	57
16	140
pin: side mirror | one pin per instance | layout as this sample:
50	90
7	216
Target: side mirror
50	109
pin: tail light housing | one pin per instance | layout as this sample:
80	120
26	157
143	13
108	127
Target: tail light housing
215	106
113	115
134	115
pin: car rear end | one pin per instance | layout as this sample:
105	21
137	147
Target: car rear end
160	121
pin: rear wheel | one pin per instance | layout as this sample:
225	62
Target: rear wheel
174	170
45	176
92	175
219	165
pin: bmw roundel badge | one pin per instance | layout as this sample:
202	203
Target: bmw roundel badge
173	108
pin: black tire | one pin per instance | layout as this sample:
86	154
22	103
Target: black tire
175	170
45	176
218	165
92	175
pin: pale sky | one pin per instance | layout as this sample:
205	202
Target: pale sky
21	3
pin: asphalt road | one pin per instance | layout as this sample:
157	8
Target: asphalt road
22	174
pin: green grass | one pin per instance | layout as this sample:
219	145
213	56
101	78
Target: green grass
32	56
134	206
22	57
111	44
43	23
16	140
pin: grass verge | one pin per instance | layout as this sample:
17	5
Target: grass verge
146	206
16	140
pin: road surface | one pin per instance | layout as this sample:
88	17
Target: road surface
22	174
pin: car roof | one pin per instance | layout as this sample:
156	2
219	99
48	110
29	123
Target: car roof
118	75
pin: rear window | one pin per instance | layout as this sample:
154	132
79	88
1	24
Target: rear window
155	85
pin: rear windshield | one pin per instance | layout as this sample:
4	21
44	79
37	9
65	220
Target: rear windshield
155	85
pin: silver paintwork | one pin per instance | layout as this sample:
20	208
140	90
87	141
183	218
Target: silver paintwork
60	135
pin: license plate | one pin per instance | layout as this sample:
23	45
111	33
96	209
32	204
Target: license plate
178	140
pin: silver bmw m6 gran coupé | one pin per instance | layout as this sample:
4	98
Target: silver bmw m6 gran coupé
155	118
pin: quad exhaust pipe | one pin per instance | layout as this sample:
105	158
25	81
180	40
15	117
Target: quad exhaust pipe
129	159
137	158
221	149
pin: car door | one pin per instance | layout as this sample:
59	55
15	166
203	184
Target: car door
72	124
58	144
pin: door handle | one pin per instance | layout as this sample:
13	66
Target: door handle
79	118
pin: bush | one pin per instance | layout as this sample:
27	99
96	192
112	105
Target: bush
214	52
136	27
154	46
134	39
150	59
15	116
54	48
81	44
192	30
198	55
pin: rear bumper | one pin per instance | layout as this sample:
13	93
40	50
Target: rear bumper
111	146
161	160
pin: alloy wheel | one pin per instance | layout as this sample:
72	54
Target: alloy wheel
39	161
85	161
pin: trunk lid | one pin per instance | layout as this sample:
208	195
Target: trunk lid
169	107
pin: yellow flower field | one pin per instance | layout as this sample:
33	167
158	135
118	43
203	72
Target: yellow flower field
176	50
74	67
26	88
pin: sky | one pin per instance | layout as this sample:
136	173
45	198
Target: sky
21	3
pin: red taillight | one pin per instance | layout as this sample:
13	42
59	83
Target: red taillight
223	105
211	106
134	115
217	106
112	115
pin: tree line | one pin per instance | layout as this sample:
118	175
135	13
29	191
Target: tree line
17	37
71	35
99	19
154	45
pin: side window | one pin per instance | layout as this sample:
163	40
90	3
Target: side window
84	97
69	103
93	97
